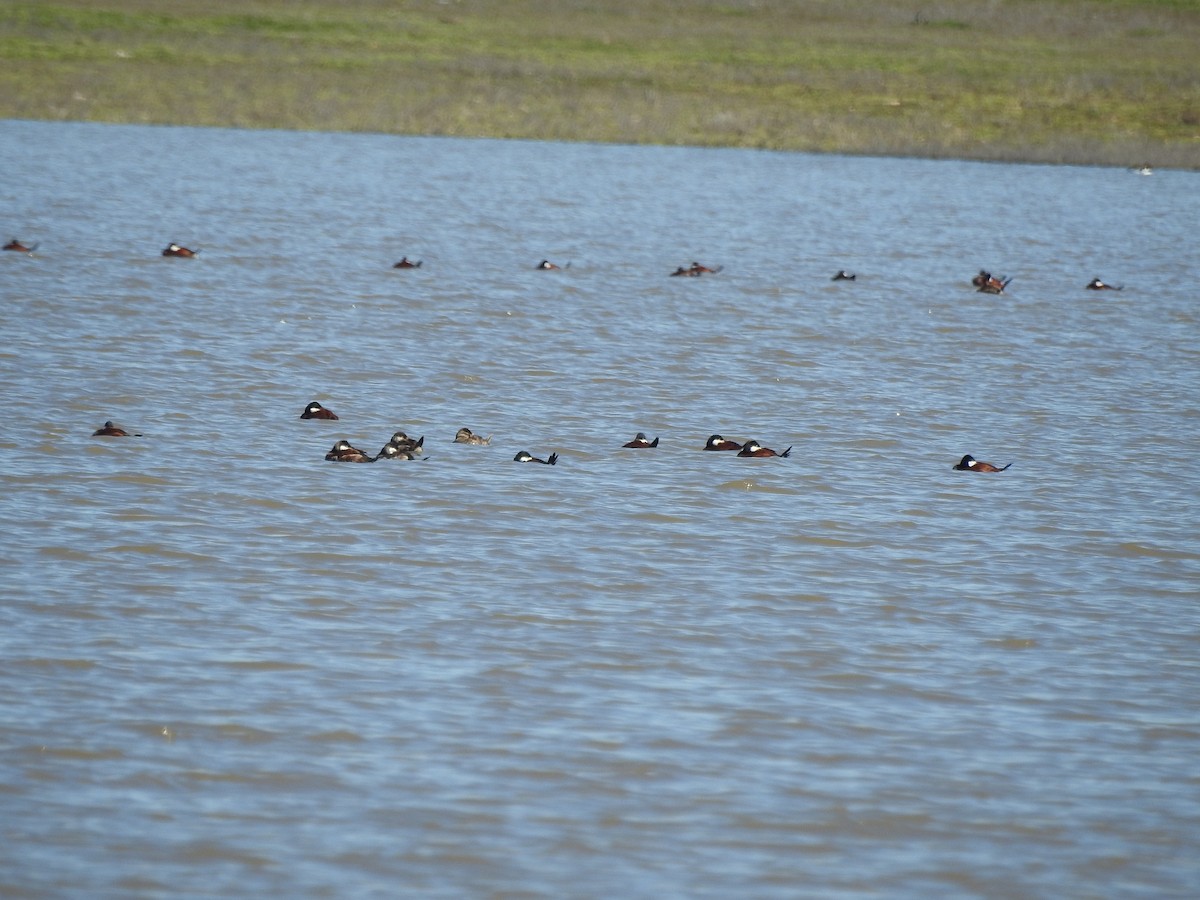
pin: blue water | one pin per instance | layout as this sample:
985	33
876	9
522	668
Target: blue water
234	669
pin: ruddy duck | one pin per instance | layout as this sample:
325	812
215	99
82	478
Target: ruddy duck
407	263
754	448
524	456
403	442
695	270
174	249
1143	169
640	440
111	430
545	264
466	436
970	464
315	410
343	452
987	283
16	245
716	442
391	451
1097	285
843	275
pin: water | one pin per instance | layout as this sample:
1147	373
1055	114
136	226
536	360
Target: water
234	669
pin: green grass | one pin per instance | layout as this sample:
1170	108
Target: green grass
1095	81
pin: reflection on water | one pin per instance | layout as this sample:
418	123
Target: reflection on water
235	668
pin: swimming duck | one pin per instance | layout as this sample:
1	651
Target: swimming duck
343	452
1097	285
402	441
174	249
987	283
546	265
391	451
970	464
640	440
17	246
716	442
525	456
695	270
466	436
754	448
407	263
315	410
843	275
110	430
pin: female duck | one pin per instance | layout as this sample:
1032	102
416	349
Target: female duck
466	436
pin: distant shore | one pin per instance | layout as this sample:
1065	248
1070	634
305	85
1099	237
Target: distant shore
1092	82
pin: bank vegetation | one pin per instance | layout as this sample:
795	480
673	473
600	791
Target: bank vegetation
1112	82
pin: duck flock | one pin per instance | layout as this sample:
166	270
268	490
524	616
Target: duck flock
402	447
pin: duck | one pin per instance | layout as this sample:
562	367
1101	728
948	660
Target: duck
970	464
640	440
987	283
1097	285
18	247
754	448
391	451
696	269
526	456
407	263
315	410
402	441
843	275
716	442
466	436
111	430
174	249
546	265
343	452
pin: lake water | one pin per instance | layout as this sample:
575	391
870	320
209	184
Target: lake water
230	668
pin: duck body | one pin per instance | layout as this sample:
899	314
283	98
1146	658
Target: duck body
467	436
717	442
755	449
970	464
525	456
315	410
640	441
108	429
343	452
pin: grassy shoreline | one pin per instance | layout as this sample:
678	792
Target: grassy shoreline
1104	82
